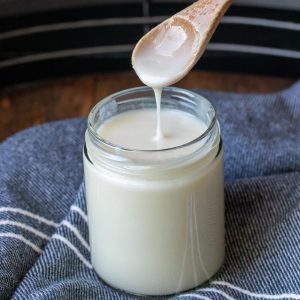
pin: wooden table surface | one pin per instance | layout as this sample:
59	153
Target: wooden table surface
36	103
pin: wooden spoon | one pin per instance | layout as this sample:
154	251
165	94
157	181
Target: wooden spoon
169	51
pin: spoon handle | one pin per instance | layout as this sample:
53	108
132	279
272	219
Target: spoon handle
205	15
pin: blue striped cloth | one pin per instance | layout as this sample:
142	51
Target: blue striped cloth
44	248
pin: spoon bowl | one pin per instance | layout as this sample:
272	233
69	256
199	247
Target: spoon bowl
170	50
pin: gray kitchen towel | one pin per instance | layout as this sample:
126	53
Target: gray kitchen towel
44	248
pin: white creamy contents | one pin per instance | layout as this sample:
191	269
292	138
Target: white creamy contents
136	129
160	63
156	234
157	230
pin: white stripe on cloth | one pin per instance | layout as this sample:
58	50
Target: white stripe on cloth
44	236
211	290
80	211
196	296
74	249
77	233
257	295
21	238
26	227
29	214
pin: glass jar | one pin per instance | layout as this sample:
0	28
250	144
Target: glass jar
156	217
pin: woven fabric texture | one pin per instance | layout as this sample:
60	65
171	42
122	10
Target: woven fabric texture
44	250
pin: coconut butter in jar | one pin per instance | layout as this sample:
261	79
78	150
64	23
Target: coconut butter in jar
155	204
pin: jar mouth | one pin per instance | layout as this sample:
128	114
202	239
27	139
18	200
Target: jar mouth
98	140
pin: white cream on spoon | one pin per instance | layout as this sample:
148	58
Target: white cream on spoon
169	51
162	61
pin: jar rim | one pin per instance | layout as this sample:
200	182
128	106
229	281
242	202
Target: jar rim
101	141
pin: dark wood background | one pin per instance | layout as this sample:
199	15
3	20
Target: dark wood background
59	57
26	105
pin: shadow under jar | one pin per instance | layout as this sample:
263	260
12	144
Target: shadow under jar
156	217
